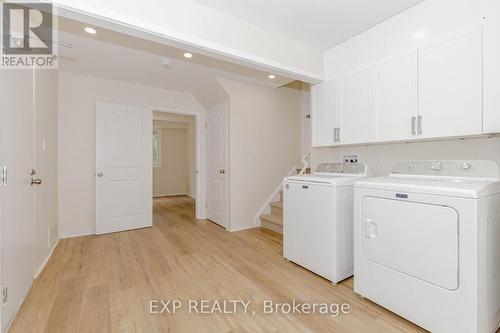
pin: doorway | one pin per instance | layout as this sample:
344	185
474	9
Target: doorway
176	156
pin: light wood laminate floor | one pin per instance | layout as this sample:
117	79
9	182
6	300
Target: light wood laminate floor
104	283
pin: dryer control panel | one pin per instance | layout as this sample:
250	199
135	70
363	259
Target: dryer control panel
448	168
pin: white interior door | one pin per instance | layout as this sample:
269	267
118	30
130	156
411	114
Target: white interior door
123	168
217	195
450	86
16	149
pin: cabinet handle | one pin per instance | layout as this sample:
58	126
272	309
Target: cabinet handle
419	125
413	130
336	134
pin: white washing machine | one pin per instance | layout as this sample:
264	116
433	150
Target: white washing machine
427	244
318	219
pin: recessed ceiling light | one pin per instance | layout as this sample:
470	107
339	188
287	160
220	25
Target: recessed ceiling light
90	30
188	55
271	76
420	34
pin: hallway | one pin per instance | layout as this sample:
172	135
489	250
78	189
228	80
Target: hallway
105	283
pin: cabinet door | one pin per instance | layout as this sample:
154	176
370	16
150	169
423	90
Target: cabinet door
324	112
355	107
450	88
491	67
395	98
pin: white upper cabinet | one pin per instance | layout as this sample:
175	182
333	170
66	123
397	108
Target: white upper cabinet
433	91
450	86
355	107
491	112
395	98
324	113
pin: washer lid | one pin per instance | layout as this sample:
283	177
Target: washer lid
325	178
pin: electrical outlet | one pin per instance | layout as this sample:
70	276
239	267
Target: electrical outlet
350	158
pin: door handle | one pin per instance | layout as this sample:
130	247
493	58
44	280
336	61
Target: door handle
419	125
222	171
370	229
4	175
36	181
99	174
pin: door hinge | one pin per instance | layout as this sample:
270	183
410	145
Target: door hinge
4	175
308	116
5	295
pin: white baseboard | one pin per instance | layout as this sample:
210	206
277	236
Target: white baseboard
64	235
242	228
168	195
42	266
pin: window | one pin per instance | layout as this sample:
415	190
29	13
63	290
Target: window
156	148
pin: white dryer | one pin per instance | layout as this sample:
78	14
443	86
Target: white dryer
427	244
318	219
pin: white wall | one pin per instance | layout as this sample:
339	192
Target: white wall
190	122
419	25
416	26
187	23
76	152
45	210
176	174
170	178
382	157
264	145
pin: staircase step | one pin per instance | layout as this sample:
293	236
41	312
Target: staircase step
272	222
272	219
277	208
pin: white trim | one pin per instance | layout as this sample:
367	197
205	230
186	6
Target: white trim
266	207
42	266
64	235
170	195
243	228
199	120
106	18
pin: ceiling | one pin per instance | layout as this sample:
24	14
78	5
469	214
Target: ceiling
320	24
115	56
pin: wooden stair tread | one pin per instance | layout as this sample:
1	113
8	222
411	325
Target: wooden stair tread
277	204
271	218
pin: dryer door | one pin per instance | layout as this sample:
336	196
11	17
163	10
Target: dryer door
417	239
